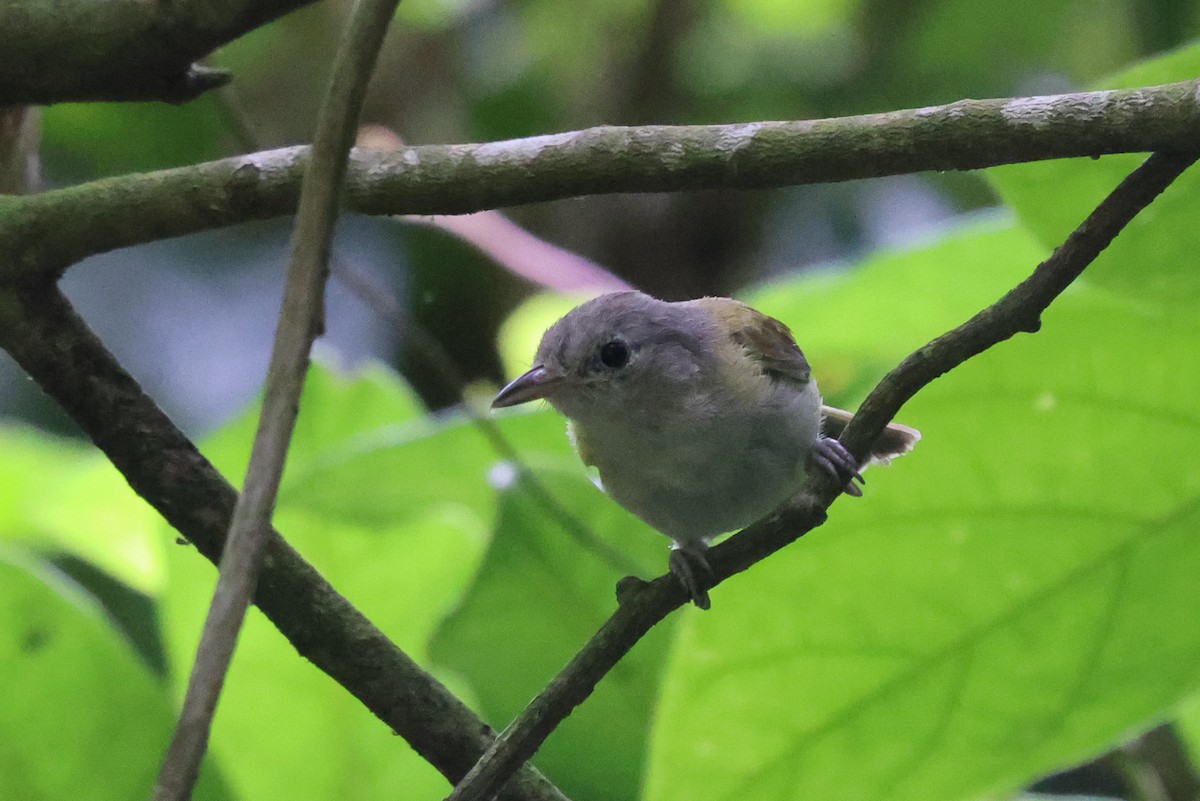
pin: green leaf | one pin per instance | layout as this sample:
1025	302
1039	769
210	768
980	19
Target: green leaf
79	710
363	453
1187	725
1014	596
112	138
1152	258
336	411
856	326
538	598
279	710
29	456
62	495
399	471
404	568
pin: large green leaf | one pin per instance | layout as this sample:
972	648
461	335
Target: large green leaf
284	729
540	595
79	710
364	453
398	471
404	567
855	330
62	496
1015	595
337	411
1154	257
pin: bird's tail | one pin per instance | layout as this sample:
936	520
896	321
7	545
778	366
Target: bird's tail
896	440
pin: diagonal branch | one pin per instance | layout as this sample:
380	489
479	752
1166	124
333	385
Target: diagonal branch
47	338
1020	309
301	320
48	232
642	605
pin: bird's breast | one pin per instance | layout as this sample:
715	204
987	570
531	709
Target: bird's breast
694	476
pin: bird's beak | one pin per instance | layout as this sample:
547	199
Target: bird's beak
533	385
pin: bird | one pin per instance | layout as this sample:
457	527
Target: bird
700	416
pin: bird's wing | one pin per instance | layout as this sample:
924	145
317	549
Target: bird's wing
764	339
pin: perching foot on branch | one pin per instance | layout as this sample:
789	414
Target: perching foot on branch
831	456
689	564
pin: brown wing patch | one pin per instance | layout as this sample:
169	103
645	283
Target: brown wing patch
764	339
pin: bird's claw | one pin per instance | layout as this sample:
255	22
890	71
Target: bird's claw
831	456
689	565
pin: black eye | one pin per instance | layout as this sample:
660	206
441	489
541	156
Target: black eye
614	354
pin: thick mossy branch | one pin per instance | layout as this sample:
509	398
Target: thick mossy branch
44	234
49	340
77	50
643	605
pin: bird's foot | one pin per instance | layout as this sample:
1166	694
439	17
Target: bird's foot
690	566
831	456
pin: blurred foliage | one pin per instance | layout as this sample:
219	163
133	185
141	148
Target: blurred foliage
538	596
1013	598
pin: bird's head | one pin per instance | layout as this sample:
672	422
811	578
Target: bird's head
620	354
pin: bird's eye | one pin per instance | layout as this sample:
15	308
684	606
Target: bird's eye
614	354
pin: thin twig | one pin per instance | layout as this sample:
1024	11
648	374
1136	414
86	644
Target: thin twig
300	322
642	605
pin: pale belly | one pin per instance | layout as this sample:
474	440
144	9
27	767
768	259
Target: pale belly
697	482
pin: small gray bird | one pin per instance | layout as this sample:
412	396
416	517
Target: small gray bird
701	416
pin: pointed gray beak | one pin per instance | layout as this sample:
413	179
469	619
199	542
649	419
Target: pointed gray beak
533	385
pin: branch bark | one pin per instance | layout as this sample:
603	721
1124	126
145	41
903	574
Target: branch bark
48	232
642	605
1157	767
78	50
19	136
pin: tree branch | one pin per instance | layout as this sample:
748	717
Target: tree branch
47	338
1156	767
1020	309
77	50
20	127
642	605
48	232
301	320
